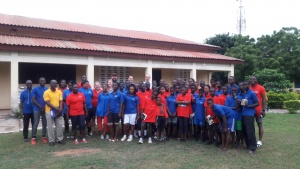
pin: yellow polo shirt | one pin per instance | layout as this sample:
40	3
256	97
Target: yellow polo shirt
53	97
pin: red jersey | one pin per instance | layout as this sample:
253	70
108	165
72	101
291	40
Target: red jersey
75	101
259	91
183	110
143	97
149	92
209	111
95	97
149	110
164	111
163	98
207	96
167	93
222	98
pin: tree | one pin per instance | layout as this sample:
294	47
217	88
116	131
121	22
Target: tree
225	41
272	80
244	48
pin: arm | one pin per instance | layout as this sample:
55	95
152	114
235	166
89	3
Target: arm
85	109
263	105
68	112
21	108
120	113
37	104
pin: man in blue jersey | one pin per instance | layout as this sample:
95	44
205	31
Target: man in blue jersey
231	82
171	109
26	108
39	110
248	102
115	105
226	118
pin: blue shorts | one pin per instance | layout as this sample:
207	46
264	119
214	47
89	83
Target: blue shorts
231	124
199	122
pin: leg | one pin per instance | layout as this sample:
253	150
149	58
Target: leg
105	125
259	120
227	141
186	125
66	125
36	122
74	120
88	121
51	137
99	122
32	122
59	130
26	119
44	123
223	139
81	123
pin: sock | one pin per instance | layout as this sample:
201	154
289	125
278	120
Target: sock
139	132
145	132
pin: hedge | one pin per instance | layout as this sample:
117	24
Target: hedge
276	100
292	105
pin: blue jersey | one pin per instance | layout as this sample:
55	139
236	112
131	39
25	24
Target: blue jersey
194	97
221	111
38	93
231	102
88	94
171	103
252	98
219	92
200	108
131	103
26	99
102	107
66	93
115	100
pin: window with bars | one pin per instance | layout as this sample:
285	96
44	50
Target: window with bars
103	73
184	74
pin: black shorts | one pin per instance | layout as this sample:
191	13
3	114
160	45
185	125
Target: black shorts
161	121
113	118
212	127
90	114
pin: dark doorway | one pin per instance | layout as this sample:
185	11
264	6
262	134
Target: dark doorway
156	75
34	71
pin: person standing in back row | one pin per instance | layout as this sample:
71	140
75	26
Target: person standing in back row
39	110
260	111
88	94
26	108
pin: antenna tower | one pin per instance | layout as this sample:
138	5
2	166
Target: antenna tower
241	22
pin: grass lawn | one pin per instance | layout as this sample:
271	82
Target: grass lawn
280	150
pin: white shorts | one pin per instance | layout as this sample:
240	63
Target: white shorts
129	118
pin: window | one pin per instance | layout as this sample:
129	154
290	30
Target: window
184	74
103	73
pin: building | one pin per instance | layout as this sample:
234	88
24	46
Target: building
30	48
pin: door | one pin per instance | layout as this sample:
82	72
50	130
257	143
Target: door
156	75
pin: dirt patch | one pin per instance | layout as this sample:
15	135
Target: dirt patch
77	152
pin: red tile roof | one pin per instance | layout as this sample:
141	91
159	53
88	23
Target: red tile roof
91	29
63	44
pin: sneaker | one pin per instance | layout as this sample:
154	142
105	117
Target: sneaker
130	138
149	140
102	137
259	143
107	136
135	135
91	134
33	141
123	138
51	144
72	137
44	139
84	141
68	136
76	141
25	140
61	142
140	141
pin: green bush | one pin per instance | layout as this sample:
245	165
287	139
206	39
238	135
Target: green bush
276	100
292	105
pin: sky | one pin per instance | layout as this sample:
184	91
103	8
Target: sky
193	20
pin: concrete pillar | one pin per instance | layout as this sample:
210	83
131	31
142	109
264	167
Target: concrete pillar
209	77
14	82
149	70
90	70
193	72
231	72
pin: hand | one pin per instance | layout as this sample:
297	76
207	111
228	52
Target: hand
263	113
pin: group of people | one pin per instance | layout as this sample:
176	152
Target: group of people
216	113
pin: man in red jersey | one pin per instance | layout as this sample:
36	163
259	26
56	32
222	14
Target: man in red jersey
259	110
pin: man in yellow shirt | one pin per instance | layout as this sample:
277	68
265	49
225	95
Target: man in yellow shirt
53	99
